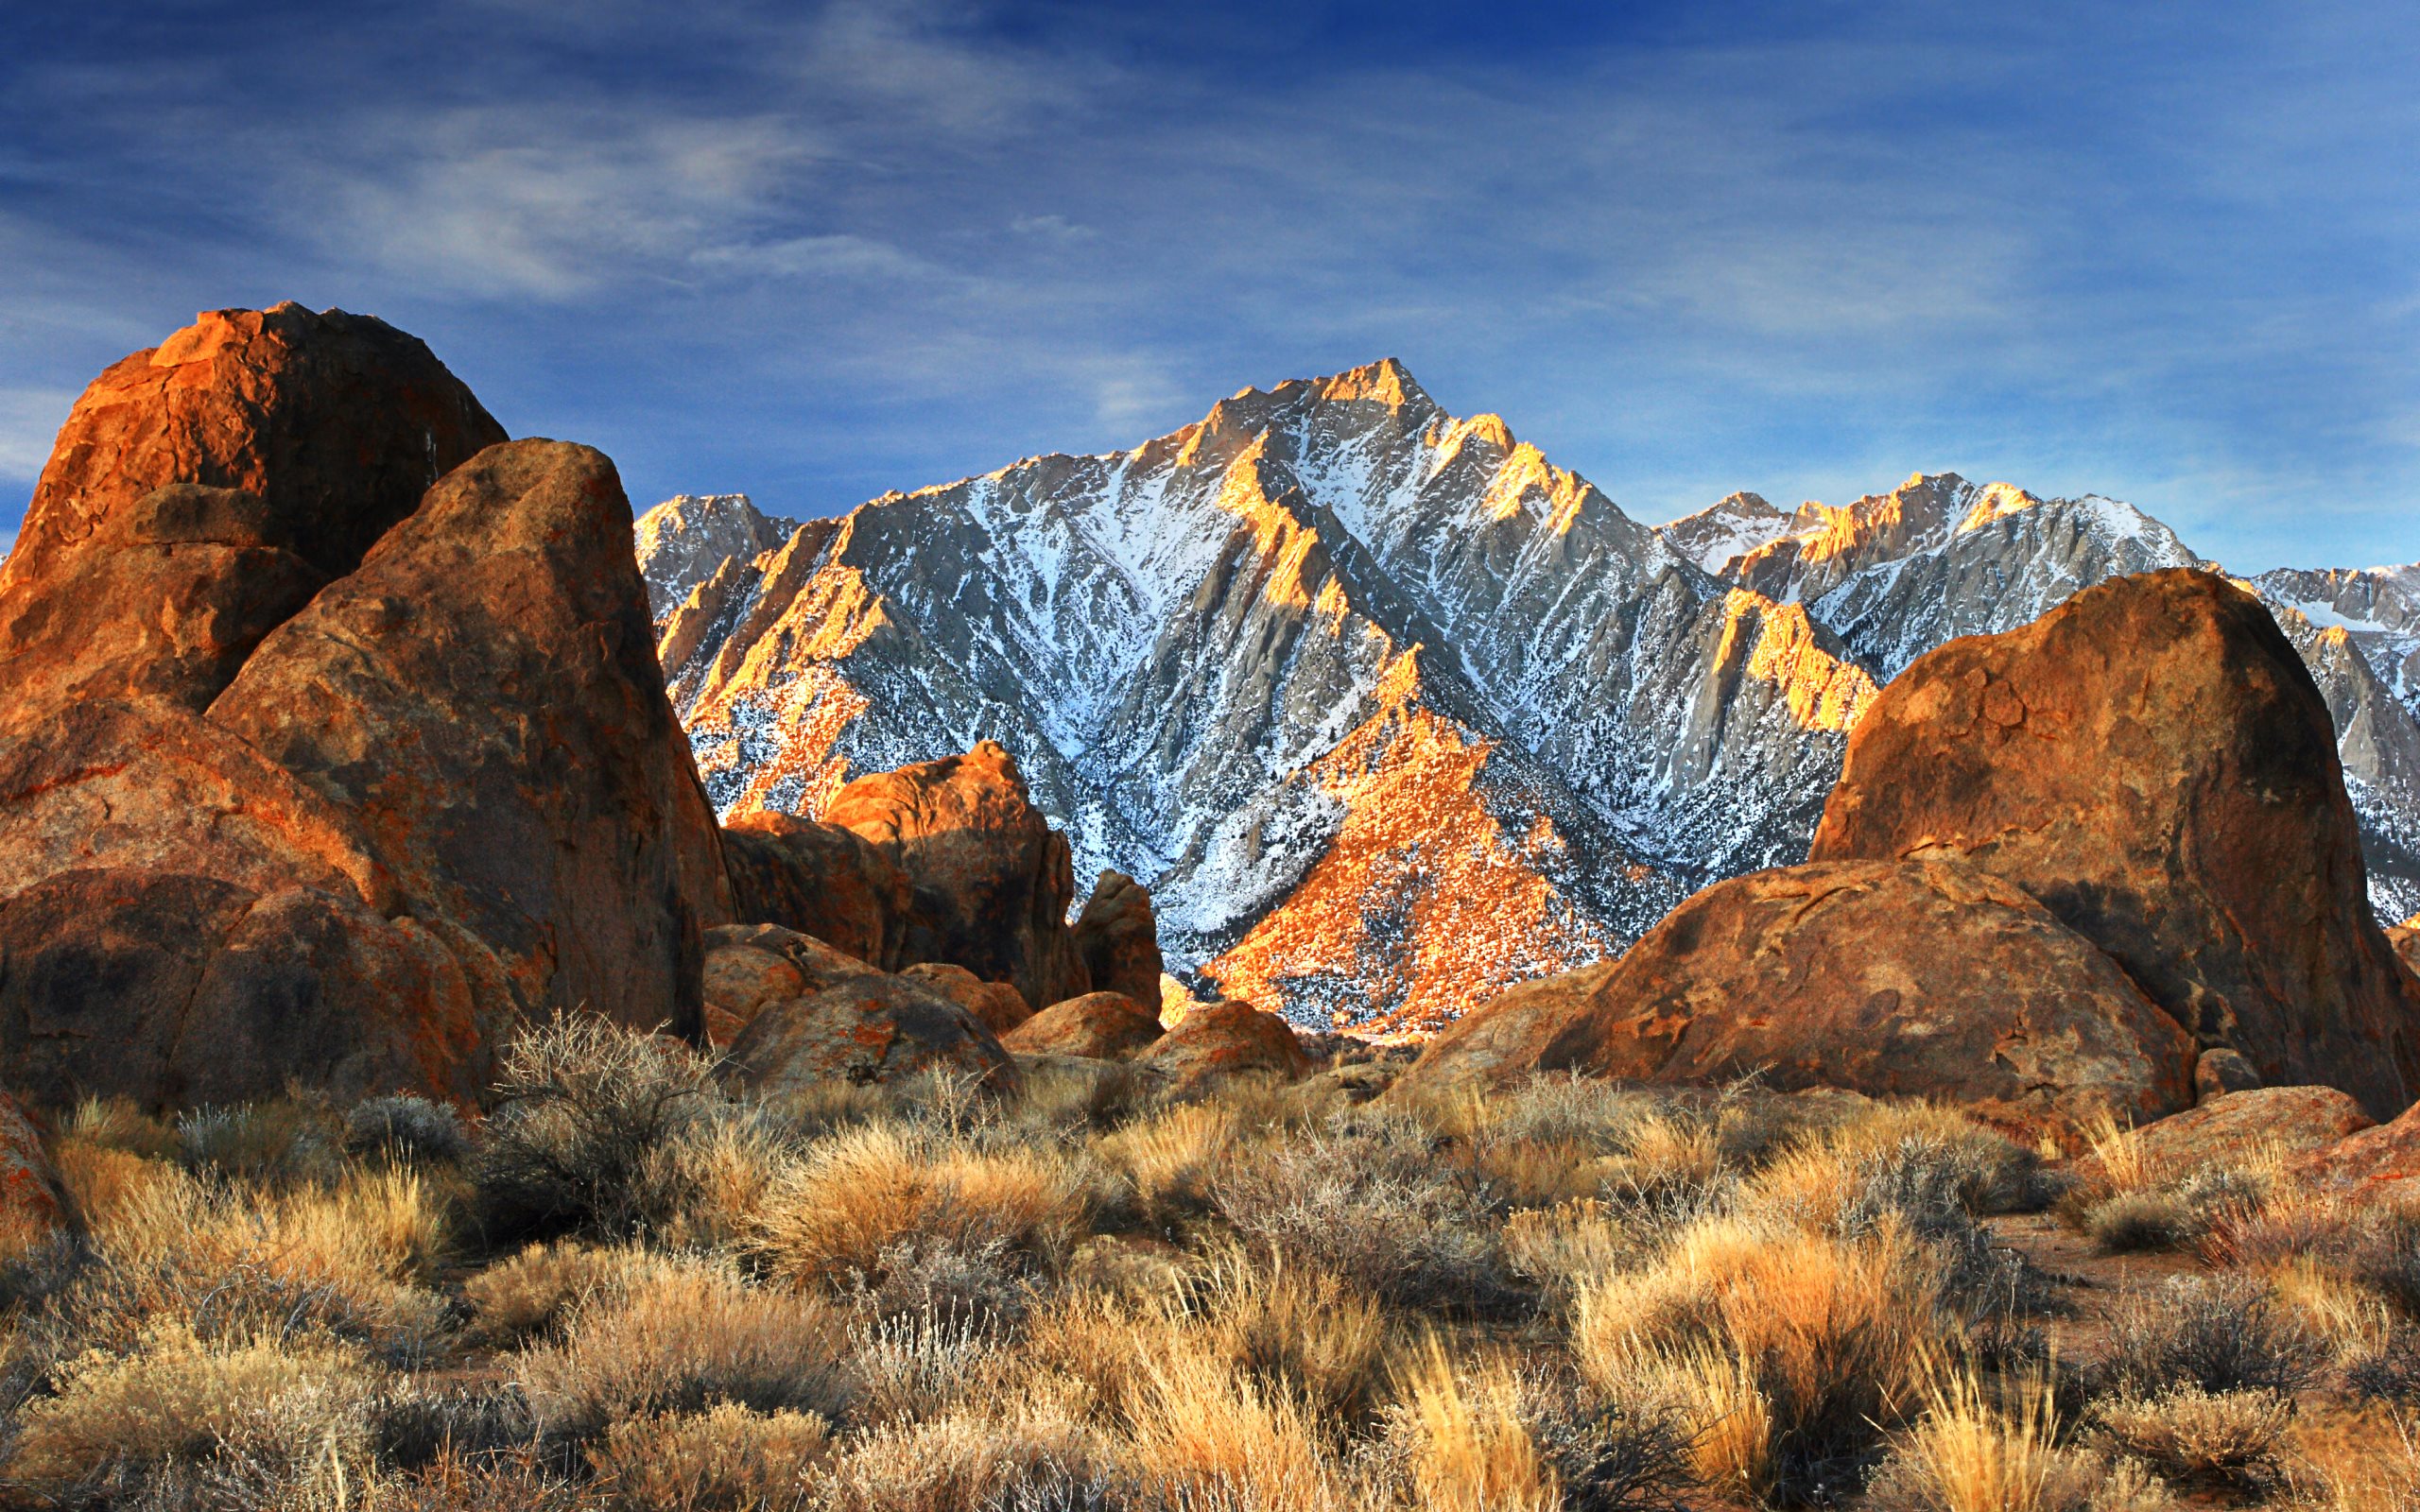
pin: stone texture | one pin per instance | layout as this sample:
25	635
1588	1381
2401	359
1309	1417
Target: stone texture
2379	1165
173	988
819	880
1913	979
750	965
1119	940
996	1006
1102	1025
991	879
2220	1072
2244	1129
865	1030
482	695
1225	1040
2153	761
31	1201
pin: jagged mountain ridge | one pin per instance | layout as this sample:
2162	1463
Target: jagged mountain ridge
1211	651
1390	711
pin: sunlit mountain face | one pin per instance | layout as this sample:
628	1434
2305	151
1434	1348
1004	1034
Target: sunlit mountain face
1390	711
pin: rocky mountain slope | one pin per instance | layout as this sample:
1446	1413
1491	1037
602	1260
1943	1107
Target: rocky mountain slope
1390	712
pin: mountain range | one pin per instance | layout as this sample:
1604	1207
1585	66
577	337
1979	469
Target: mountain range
1390	711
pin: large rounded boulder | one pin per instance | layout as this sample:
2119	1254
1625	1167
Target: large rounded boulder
1933	980
991	880
1096	1026
317	765
864	1031
2151	761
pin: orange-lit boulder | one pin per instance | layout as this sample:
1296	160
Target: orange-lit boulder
1225	1040
1099	1025
1119	940
1933	980
2152	761
996	1006
991	879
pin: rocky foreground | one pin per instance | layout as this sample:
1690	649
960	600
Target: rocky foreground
351	856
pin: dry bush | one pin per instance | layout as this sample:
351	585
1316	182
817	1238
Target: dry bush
535	1291
2132	1222
723	1459
2220	1336
2227	1438
1366	1197
680	1339
524	1479
406	1128
1466	1447
1563	1248
911	1367
178	1403
354	1261
1835	1332
1024	1456
2292	1224
283	1141
585	1104
1169	1158
1306	1332
117	1123
1203	1435
1718	1411
1968	1454
872	1207
704	1188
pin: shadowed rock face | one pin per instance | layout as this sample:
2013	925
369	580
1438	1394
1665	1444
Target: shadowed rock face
482	695
311	768
991	879
1916	979
865	1030
2152	761
1120	941
819	880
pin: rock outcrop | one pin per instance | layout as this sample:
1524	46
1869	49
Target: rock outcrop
1224	1041
1119	940
31	1201
2241	1129
866	1030
2379	1165
2151	761
996	1006
819	880
1918	979
990	880
1098	1026
354	765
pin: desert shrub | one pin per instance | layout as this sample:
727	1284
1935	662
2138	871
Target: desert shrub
229	1262
1366	1197
413	1426
703	1188
1833	1335
723	1459
584	1105
406	1128
2132	1222
2201	1436
524	1478
680	1340
1026	1456
2383	1254
1562	1248
250	1411
1935	1187
1203	1435
1168	1158
535	1291
118	1123
1493	1434
1306	1332
280	1143
1967	1455
2220	1337
877	1208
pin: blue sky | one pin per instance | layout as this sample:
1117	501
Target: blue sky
815	252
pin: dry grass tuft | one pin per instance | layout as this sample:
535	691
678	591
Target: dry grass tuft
682	1338
2228	1438
723	1459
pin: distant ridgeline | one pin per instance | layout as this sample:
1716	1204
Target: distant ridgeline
1390	712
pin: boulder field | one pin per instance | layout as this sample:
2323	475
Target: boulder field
334	747
2097	866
